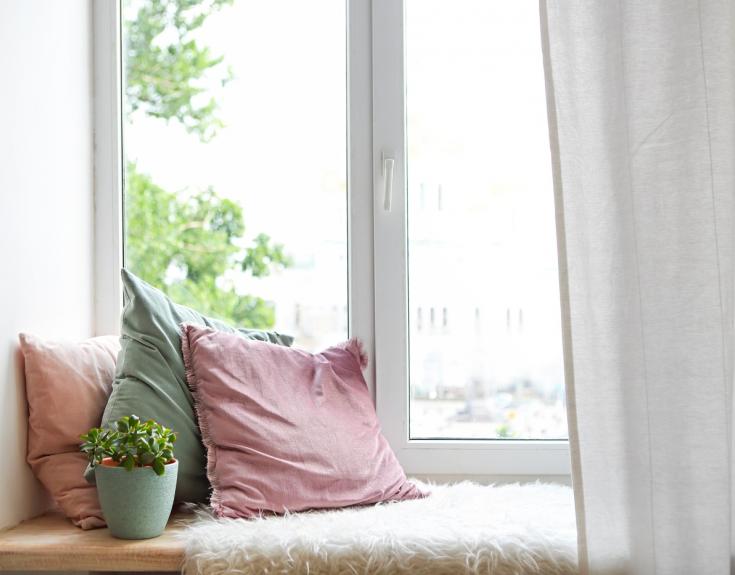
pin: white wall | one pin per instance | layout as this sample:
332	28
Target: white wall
46	206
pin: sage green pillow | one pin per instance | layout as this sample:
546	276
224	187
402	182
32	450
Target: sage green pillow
150	380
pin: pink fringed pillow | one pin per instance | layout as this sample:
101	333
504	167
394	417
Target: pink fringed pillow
287	430
67	386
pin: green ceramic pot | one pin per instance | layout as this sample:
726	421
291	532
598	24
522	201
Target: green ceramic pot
136	504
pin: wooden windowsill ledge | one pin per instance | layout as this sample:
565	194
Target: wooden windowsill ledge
51	543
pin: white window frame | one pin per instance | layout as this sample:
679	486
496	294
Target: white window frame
376	237
475	457
108	223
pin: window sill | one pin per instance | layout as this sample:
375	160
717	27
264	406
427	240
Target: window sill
535	459
51	543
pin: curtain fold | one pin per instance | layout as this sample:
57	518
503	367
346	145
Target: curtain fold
642	122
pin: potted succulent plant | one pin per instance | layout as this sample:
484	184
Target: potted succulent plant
135	472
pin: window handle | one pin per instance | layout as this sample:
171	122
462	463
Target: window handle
388	169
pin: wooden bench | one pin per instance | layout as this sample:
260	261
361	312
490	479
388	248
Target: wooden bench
51	543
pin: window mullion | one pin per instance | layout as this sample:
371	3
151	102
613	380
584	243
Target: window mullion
391	325
359	178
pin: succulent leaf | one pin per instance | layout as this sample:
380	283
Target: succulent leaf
131	443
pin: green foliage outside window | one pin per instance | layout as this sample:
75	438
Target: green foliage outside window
186	243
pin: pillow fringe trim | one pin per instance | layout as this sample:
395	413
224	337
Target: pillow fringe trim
355	346
215	498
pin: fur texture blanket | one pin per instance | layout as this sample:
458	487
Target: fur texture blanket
461	528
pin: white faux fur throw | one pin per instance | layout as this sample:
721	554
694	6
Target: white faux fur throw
461	528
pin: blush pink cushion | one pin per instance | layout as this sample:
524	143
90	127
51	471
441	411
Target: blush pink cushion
67	386
287	430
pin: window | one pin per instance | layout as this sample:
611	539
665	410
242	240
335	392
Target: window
485	358
234	143
338	168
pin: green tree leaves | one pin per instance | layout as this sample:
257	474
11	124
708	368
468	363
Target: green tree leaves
263	255
185	245
167	70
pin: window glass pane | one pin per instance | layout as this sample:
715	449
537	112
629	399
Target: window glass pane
485	335
235	146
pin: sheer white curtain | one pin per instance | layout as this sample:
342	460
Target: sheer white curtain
641	100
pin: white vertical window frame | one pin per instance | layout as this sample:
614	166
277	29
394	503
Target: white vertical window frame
391	323
487	458
359	179
108	213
